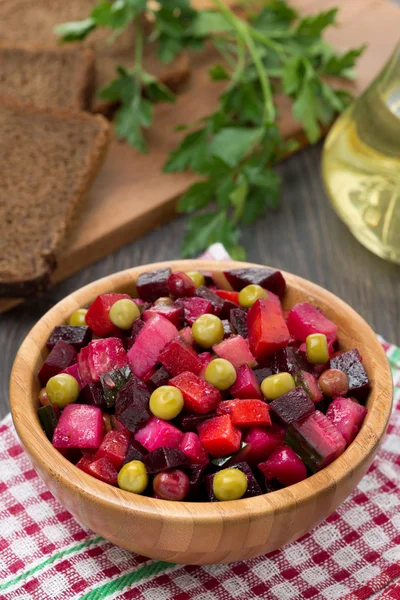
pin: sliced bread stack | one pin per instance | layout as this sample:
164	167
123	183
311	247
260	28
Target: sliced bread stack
33	21
48	160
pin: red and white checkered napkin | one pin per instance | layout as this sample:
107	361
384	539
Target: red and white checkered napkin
46	554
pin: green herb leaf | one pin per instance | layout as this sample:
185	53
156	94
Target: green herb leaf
305	111
155	90
237	252
75	30
168	48
276	16
223	190
209	22
232	143
312	26
117	14
123	87
218	73
200	230
343	65
238	197
192	153
197	196
292	75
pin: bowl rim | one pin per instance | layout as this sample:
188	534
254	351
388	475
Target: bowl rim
28	428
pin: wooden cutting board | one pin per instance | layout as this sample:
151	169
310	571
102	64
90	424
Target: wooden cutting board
131	195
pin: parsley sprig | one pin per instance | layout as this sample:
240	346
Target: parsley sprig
269	50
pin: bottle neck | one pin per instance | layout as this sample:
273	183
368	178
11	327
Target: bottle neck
389	82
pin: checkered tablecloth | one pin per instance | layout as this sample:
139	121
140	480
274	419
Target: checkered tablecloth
45	554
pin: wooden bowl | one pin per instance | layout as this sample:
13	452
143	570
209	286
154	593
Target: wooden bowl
201	533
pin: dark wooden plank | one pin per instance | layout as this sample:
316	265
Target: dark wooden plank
304	237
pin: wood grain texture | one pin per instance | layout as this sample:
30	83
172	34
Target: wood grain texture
202	533
131	194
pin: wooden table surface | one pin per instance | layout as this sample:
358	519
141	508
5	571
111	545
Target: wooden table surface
305	237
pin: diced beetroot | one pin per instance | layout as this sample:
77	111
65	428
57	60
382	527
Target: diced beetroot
178	357
98	315
305	319
262	442
84	462
92	394
292	406
261	374
114	447
153	284
172	312
195	481
192	447
103	469
236	350
267	485
79	426
246	384
253	488
150	341
246	413
74	371
180	285
191	422
231	302
157	434
135	451
117	426
350	362
163	459
198	395
205	358
158	378
132	404
219	436
136	328
186	335
149	375
100	356
309	383
316	440
207	294
228	295
267	328
62	356
285	466
194	307
228	329
78	337
270	279
290	360
347	416
220	281
238	319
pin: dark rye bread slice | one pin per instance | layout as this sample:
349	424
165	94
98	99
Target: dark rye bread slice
34	21
48	159
48	76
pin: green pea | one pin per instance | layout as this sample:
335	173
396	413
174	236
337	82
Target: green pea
62	389
220	373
